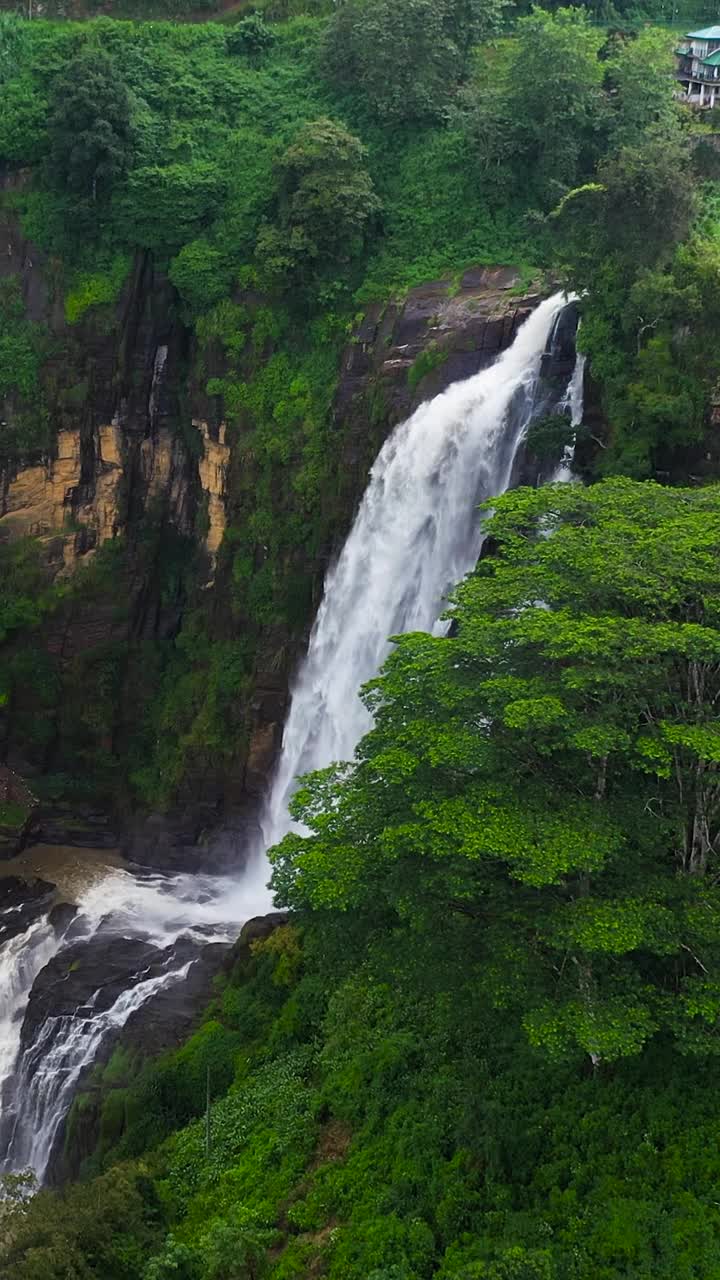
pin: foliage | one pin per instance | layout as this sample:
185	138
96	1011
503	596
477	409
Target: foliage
325	205
621	233
251	36
101	1235
539	116
407	59
443	1146
95	288
639	72
550	772
431	358
200	274
22	348
89	132
548	437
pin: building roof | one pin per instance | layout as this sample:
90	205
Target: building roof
713	59
707	33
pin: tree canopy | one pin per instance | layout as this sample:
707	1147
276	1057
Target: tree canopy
551	772
406	59
325	202
89	129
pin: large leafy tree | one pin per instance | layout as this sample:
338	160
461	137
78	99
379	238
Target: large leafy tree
406	59
89	130
324	205
539	110
640	76
550	773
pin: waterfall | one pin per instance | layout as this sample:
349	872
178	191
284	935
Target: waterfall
158	374
21	960
572	404
50	1072
417	533
170	915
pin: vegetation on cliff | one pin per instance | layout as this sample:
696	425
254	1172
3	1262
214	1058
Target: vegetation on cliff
482	1047
282	176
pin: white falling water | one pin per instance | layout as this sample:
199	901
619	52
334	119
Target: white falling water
21	960
66	1045
158	374
417	533
572	403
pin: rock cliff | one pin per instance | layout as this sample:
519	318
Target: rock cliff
140	457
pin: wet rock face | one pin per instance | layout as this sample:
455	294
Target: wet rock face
113	411
464	328
165	1020
172	842
22	902
87	977
79	825
159	1024
559	359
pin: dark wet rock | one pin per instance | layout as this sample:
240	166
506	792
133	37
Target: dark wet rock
168	1018
76	825
17	803
254	930
161	1023
89	975
22	902
559	359
193	840
62	915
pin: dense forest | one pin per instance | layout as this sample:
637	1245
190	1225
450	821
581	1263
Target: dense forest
280	178
480	1043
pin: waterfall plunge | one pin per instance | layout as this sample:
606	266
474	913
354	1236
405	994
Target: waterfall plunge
416	535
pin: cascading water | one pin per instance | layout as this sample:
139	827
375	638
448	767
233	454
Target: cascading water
168	914
416	534
572	404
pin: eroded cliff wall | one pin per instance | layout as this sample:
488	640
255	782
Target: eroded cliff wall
156	681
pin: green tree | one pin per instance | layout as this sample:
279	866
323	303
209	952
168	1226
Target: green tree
406	59
251	37
89	131
540	110
634	214
616	240
99	1231
640	73
13	45
551	772
324	207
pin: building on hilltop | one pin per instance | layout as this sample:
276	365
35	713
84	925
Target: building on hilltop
698	66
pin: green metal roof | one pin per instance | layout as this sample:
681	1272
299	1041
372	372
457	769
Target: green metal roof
713	60
707	33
